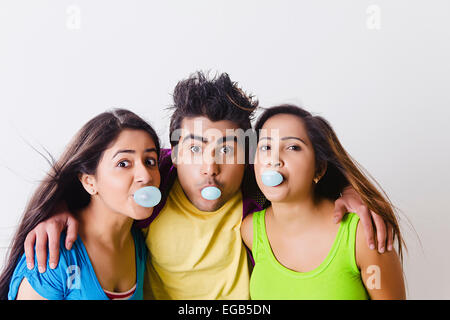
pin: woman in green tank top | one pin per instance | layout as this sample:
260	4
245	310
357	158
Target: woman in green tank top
299	252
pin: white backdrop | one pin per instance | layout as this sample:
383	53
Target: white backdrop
379	71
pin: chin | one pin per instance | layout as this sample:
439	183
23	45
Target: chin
208	205
142	214
275	195
276	199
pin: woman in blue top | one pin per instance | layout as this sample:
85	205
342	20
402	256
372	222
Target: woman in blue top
111	157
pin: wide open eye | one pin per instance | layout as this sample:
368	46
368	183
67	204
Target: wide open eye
195	149
123	164
226	149
151	162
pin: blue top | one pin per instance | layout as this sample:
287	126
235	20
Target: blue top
74	277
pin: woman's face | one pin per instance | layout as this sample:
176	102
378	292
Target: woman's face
129	164
284	146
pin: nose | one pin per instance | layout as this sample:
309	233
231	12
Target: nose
275	160
143	174
209	166
276	164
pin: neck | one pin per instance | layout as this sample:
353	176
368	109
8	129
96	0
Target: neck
301	213
102	225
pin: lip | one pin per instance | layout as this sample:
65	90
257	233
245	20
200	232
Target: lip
132	195
209	185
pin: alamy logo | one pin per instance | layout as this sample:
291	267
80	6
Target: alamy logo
74	279
373	21
374	281
73	21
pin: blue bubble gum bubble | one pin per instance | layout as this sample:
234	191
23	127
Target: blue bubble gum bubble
211	193
147	196
271	178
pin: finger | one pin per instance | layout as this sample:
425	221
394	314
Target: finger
29	249
381	231
390	238
72	230
366	221
340	210
53	232
41	250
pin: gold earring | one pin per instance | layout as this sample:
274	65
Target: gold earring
316	180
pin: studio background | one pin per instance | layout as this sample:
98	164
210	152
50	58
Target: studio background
377	70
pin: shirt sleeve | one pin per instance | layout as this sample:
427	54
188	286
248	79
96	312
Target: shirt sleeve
52	284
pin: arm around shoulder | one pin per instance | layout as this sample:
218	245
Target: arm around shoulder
53	284
47	235
382	274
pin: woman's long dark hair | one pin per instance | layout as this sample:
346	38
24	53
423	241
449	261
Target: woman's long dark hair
82	155
342	170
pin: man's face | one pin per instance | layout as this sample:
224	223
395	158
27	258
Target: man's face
207	155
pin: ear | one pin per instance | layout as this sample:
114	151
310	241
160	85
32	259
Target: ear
173	155
322	168
88	182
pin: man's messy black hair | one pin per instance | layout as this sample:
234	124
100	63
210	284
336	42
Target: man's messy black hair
217	98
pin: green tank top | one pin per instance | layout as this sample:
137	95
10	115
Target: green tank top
336	278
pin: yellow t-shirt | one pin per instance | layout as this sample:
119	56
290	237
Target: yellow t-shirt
196	254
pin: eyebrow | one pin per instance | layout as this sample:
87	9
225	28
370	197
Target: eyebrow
133	151
204	140
285	138
194	137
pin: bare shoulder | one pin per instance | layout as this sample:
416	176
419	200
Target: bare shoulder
26	292
381	273
247	230
362	250
364	254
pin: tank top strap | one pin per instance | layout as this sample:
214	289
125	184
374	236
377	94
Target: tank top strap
347	246
258	234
